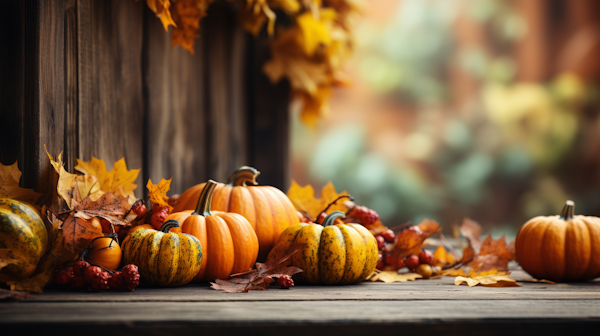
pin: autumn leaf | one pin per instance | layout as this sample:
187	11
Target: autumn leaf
471	230
393	276
303	199
187	15
161	9
314	32
10	177
255	14
492	278
118	180
158	192
443	258
410	241
453	272
15	295
262	276
493	254
57	255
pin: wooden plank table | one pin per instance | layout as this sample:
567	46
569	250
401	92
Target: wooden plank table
434	306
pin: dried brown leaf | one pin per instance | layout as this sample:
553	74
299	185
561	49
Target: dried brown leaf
494	254
393	276
262	276
410	241
471	230
492	278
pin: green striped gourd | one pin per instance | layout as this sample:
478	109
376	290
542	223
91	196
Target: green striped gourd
23	239
164	258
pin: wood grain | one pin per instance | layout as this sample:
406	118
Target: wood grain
174	99
111	102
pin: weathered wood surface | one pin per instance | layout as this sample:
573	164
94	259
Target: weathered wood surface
100	78
425	306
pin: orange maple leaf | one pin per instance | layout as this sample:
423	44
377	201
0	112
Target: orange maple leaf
443	258
187	15
9	185
304	199
158	192
411	240
493	254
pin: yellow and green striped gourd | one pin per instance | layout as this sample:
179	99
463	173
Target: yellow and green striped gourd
164	258
333	254
23	239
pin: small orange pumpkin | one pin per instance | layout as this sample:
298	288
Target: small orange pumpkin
560	248
139	227
267	208
229	243
104	251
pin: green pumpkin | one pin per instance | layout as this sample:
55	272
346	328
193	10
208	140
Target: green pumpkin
23	239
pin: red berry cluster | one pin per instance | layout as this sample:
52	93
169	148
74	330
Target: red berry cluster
285	281
81	275
159	214
385	243
364	215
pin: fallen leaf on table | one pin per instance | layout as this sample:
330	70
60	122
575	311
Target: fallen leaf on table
492	278
471	230
410	241
262	276
468	255
493	254
393	276
303	199
443	258
157	193
10	294
9	185
454	272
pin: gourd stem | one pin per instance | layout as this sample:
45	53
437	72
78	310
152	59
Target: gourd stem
205	199
568	212
330	219
241	176
335	201
168	225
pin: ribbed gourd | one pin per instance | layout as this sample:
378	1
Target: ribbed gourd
560	248
267	208
23	239
229	243
163	258
332	254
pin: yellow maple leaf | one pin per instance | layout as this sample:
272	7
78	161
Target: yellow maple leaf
492	278
9	185
442	258
158	192
304	199
393	276
161	9
315	106
314	32
118	180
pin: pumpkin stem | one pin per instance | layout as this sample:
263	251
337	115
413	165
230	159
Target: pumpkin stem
568	212
205	199
241	176
330	219
168	225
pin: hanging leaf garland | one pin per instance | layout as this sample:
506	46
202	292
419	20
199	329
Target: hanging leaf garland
310	51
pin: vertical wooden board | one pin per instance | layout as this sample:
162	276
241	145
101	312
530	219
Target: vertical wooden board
238	111
111	107
71	86
269	120
174	100
215	32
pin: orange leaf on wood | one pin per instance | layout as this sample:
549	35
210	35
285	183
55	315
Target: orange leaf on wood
410	241
443	258
471	230
494	254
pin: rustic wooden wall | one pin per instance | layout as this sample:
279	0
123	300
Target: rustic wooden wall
100	78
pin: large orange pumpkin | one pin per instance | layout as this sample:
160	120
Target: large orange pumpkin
268	209
560	248
228	241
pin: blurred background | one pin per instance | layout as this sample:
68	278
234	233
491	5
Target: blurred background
487	109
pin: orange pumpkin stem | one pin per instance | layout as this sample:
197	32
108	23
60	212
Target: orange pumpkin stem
330	219
241	176
568	212
168	225
205	199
